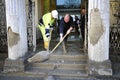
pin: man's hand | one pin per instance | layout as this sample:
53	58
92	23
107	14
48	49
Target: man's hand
61	37
69	30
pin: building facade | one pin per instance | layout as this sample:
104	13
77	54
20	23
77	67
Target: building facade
19	32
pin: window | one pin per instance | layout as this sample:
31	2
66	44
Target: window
68	4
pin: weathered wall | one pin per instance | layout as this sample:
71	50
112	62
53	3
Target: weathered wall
49	5
98	30
96	23
98	38
16	29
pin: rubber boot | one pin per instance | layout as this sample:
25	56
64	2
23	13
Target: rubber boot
46	45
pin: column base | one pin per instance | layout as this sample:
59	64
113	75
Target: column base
14	65
99	68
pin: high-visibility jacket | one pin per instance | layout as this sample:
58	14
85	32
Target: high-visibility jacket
45	24
47	20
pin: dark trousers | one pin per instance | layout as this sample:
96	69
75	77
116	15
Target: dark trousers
83	34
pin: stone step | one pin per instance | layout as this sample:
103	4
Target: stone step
68	57
63	66
27	76
73	78
58	72
60	64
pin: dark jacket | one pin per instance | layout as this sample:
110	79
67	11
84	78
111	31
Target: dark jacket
63	27
82	22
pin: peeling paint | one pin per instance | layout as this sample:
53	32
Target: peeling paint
13	37
96	26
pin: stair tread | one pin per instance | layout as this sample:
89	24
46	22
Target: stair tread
51	64
62	62
54	64
58	72
68	57
76	62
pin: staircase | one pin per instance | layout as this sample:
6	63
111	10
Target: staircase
72	65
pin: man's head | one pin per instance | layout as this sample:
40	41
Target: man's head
67	18
54	14
83	11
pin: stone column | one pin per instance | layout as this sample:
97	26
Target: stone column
98	37
16	33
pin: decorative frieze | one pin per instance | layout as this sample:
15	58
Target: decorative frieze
31	35
3	31
114	26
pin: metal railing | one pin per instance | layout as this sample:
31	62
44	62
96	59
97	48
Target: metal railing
115	39
3	31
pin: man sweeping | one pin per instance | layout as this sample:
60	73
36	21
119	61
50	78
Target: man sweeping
66	26
44	25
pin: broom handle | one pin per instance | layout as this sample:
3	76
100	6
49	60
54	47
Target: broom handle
58	44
